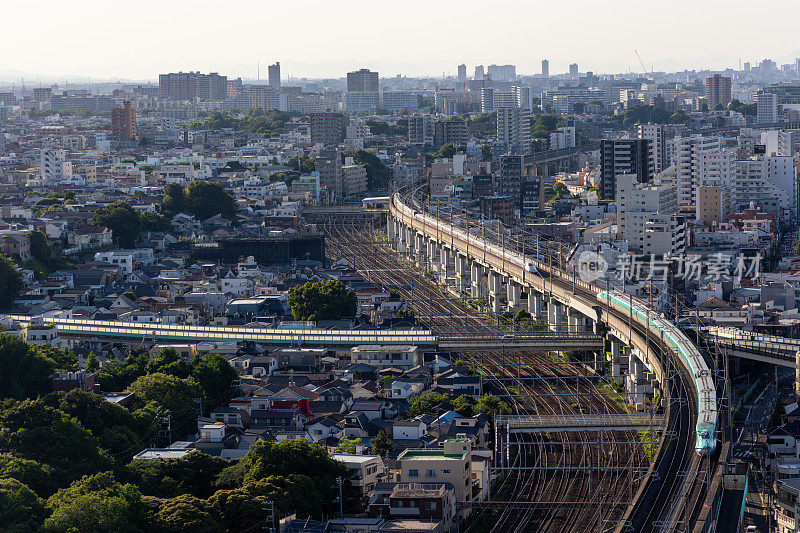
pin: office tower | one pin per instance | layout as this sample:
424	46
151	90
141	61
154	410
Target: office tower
329	165
53	165
328	128
510	183
487	99
479	72
420	129
545	68
123	123
522	96
718	91
452	130
766	107
502	72
363	80
696	158
657	147
462	73
274	72
622	156
573	69
514	129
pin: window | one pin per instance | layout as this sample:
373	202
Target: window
430	473
446	471
413	473
430	506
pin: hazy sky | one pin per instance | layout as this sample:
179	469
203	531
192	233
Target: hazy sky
314	38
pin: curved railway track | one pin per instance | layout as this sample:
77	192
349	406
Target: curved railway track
551	468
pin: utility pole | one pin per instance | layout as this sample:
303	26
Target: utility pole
339	482
270	506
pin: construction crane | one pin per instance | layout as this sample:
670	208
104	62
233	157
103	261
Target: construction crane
651	74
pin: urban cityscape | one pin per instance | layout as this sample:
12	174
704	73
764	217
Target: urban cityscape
494	299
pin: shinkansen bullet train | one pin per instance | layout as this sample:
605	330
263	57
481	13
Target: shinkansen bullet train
515	262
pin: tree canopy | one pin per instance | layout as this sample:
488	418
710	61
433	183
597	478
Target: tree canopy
205	199
122	219
322	300
10	283
378	174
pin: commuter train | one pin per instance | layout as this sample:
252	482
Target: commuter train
706	426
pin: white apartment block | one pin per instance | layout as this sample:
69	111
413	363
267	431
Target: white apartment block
768	182
399	100
657	148
420	129
53	165
686	157
562	138
354	178
514	129
766	108
640	205
361	100
504	99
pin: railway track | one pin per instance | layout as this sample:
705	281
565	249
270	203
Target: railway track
548	468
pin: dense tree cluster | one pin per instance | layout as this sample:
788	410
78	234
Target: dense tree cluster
378	173
269	123
10	283
65	457
433	403
379	127
203	199
322	300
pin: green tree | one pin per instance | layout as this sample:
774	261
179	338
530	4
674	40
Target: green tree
150	221
381	444
378	174
185	513
97	503
429	403
40	248
176	395
39	477
488	404
322	300
91	362
122	219
167	478
174	199
205	199
23	369
215	375
304	165
348	445
10	283
464	405
20	508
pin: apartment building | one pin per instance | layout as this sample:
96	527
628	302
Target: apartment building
420	130
451	464
123	123
400	356
514	129
623	156
689	156
718	91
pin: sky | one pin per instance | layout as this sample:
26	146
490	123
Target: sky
51	39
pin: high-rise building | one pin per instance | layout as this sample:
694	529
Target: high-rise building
504	99
42	94
190	85
502	72
697	160
511	181
766	107
514	129
479	74
328	128
274	72
746	66
452	130
545	68
657	147
487	99
522	96
622	156
363	80
573	69
329	165
562	138
462	73
420	129
718	91
123	123
646	216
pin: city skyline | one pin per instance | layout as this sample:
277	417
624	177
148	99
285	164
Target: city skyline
381	43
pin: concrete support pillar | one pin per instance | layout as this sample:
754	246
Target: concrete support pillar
615	366
535	305
431	247
555	315
476	274
390	229
574	322
514	293
462	271
495	284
